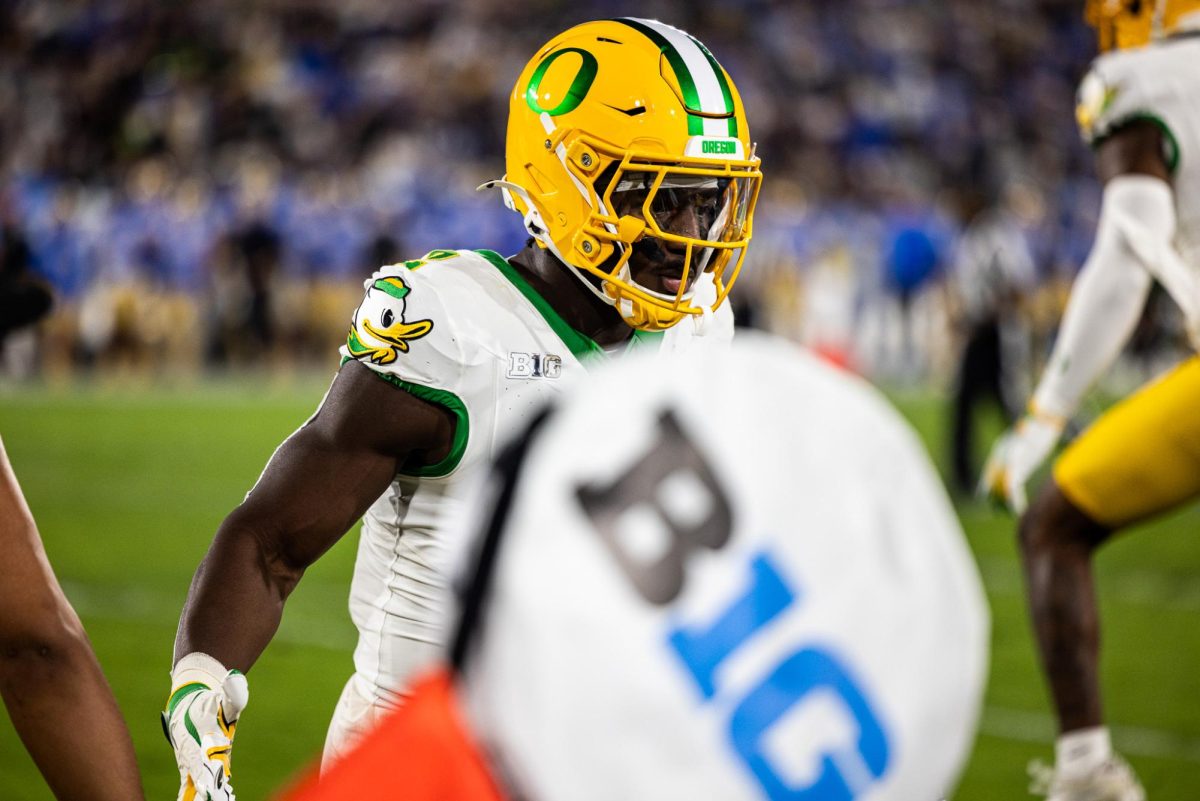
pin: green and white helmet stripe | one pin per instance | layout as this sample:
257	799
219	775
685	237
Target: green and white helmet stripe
701	79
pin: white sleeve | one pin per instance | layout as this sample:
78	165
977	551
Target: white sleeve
1137	225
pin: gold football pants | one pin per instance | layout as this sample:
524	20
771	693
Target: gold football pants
1142	456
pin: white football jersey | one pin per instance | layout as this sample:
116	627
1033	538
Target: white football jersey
732	575
463	330
1159	83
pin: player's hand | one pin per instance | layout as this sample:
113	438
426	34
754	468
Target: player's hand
1016	456
199	721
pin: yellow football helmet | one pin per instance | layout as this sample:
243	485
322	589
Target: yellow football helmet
1124	24
627	135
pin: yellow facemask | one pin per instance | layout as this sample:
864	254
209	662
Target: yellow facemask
629	158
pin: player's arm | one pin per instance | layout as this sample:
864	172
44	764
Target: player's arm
1110	291
316	485
1137	225
55	692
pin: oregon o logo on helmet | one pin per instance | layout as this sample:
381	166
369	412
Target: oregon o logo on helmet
576	92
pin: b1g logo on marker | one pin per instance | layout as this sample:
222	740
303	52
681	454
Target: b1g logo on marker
534	365
846	768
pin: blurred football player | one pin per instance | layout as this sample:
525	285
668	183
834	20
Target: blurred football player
51	683
629	159
1139	107
752	587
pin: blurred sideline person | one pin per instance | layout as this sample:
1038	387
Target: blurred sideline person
993	272
629	159
752	587
51	683
1139	107
23	299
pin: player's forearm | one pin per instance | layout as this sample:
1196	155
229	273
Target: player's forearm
301	505
64	711
1100	317
236	600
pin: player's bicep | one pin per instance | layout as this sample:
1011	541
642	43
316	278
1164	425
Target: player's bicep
323	478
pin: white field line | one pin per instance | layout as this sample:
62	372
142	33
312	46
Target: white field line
1000	575
145	606
1038	727
1134	587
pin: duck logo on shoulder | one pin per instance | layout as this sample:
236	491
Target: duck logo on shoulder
380	333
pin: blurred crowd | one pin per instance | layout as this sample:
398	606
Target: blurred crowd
207	183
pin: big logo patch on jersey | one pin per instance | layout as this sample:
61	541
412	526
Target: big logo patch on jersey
380	331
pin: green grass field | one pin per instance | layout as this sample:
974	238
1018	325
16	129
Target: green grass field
129	484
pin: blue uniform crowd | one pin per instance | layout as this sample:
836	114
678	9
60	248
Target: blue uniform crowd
225	175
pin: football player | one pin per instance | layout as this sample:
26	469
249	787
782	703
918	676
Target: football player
1139	107
752	588
50	681
630	162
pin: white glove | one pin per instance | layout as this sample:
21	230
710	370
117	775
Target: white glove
199	721
1016	456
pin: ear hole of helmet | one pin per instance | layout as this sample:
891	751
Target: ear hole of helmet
542	183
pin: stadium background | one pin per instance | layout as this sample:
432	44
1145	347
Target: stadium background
205	185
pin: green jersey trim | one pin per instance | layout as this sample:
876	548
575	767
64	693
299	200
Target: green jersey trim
447	400
579	344
641	339
1172	144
